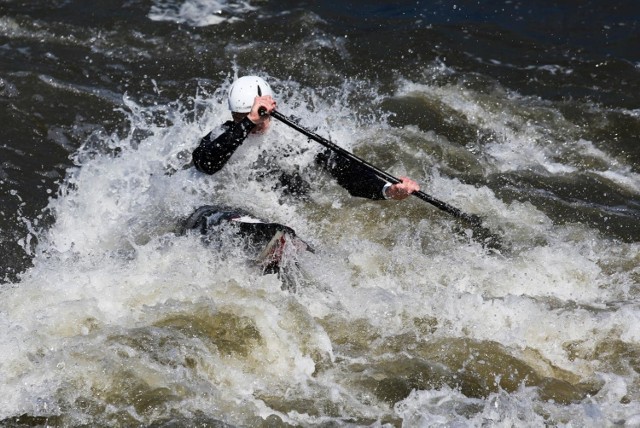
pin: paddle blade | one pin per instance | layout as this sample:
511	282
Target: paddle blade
484	236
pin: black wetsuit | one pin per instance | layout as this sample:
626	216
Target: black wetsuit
214	152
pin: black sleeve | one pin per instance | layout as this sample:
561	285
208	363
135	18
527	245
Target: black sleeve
212	154
356	179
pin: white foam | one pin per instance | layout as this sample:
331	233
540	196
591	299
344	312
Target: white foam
541	139
199	13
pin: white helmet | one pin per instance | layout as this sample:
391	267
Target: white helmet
244	90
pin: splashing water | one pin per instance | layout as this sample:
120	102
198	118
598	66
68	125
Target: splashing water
199	13
399	317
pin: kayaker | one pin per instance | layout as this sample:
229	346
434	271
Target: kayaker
247	96
266	241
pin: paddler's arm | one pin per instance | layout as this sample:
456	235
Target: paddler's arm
361	182
212	154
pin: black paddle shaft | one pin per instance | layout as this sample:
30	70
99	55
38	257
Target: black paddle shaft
474	220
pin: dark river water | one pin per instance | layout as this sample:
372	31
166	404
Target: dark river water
526	114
